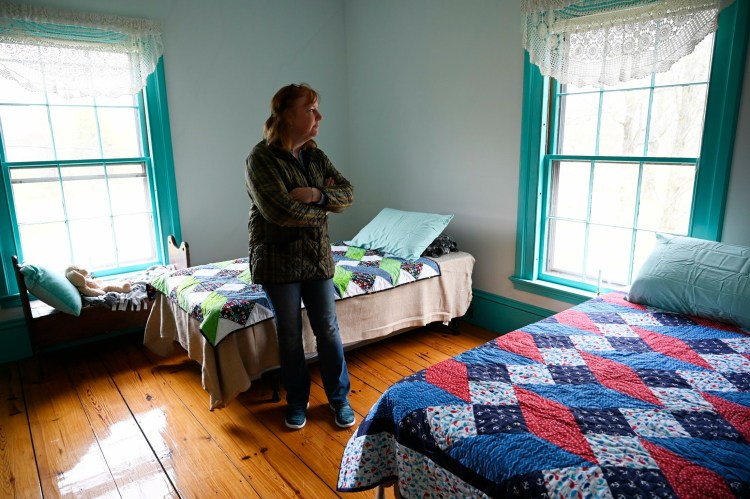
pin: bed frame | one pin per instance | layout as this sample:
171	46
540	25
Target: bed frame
49	328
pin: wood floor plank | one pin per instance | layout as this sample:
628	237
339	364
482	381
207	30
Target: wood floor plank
195	464
377	375
316	444
399	363
448	344
18	474
482	334
131	460
68	456
407	346
271	468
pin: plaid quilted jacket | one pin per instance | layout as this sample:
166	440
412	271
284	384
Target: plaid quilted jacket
288	241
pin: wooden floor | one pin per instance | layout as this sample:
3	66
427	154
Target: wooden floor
113	420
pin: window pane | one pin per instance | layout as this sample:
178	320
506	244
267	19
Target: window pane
644	82
36	195
135	238
93	243
121	132
573	89
53	98
692	68
624	119
46	243
129	194
26	133
644	244
570	189
677	121
125	100
127	169
615	190
85	192
666	198
578	119
608	252
75	132
565	249
11	92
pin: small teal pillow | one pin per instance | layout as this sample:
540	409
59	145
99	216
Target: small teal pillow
52	288
405	234
696	277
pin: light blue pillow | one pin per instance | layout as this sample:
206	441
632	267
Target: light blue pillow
696	277
405	234
53	288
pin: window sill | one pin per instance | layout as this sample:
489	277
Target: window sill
551	290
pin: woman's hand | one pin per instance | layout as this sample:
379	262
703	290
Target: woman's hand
310	195
306	195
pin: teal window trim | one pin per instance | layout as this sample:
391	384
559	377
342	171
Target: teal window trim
722	110
166	213
712	181
160	145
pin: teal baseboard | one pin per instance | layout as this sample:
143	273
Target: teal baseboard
500	314
15	340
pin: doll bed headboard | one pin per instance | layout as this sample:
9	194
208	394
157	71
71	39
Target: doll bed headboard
179	255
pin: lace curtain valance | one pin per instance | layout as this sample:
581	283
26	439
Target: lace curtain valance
604	42
76	54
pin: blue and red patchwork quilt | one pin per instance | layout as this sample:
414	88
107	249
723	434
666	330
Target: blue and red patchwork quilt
606	399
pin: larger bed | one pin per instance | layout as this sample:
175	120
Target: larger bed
607	399
232	356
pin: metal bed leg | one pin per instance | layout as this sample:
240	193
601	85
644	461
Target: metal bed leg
455	326
276	382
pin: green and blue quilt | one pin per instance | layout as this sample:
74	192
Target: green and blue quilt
222	297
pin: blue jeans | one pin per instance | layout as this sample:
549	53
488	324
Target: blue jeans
321	311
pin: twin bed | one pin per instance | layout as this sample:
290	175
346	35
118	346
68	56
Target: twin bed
607	399
234	338
611	398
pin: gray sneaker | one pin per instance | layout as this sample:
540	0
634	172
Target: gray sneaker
344	415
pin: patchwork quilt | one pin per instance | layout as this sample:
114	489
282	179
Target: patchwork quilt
222	297
607	399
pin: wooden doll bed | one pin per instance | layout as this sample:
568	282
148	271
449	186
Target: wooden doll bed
229	368
49	328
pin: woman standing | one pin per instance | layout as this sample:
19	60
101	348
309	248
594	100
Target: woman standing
292	186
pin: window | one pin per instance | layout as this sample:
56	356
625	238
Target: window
78	175
88	180
604	170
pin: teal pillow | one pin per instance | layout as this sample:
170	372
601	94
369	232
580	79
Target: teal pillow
52	288
696	277
405	234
